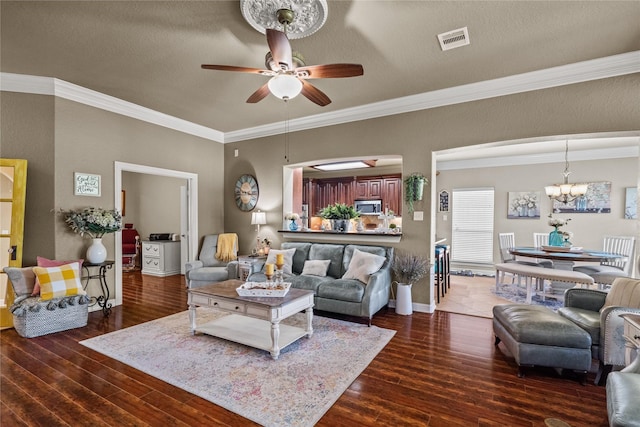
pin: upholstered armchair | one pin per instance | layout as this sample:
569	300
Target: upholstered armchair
598	313
210	269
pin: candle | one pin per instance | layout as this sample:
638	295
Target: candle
279	258
268	268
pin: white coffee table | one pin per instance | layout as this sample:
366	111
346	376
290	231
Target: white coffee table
256	320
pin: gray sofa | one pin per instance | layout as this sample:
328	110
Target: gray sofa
333	293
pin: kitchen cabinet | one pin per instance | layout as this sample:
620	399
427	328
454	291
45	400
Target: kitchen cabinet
392	195
321	192
369	188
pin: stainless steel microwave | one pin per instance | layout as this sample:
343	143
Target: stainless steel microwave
368	207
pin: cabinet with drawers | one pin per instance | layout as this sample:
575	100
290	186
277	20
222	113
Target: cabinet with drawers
631	336
160	258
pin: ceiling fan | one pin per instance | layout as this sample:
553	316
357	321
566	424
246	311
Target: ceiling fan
287	69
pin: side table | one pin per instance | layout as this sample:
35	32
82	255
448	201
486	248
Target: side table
101	275
244	265
631	336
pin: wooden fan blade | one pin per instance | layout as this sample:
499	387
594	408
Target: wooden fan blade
280	48
259	95
314	94
234	68
329	71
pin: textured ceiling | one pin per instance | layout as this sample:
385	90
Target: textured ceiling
150	52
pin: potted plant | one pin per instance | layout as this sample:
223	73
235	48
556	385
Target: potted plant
340	215
413	188
408	269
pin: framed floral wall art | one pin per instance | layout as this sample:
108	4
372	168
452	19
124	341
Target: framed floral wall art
523	205
596	200
631	203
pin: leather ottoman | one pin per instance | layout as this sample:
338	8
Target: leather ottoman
536	336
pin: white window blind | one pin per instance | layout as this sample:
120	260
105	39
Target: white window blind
472	225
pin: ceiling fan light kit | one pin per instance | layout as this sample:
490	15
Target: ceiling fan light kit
285	86
287	69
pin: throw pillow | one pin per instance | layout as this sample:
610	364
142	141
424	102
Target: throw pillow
316	267
56	282
45	262
362	265
288	258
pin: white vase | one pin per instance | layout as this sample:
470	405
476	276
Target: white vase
96	253
404	304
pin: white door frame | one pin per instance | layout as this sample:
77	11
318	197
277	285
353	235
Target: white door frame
192	220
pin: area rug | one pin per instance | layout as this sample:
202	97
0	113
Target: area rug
295	390
509	292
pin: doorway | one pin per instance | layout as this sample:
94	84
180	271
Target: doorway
189	212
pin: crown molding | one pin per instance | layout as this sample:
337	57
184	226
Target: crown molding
62	89
601	68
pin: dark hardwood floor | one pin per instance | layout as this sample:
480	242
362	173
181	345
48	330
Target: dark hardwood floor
440	369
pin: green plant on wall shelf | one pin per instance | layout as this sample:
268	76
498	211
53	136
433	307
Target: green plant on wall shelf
413	189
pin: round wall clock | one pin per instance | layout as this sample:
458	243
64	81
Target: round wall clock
246	192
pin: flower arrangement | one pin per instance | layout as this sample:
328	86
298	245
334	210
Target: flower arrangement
95	222
409	268
414	188
292	216
557	222
266	242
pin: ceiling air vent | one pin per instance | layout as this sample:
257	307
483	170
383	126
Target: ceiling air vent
453	39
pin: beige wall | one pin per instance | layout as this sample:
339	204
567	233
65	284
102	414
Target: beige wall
600	106
27	132
152	203
59	137
588	228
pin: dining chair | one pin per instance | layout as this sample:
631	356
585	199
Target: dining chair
540	240
507	241
605	273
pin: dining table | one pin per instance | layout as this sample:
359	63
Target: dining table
565	258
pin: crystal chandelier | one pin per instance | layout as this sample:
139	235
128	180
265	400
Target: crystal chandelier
565	192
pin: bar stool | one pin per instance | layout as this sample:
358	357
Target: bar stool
446	267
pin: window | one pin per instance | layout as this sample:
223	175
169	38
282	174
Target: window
472	225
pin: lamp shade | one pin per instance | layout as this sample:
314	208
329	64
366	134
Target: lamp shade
258	218
285	86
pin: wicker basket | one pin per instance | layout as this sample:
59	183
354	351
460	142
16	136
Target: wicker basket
38	318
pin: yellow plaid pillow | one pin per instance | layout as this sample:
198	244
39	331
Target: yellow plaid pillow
61	281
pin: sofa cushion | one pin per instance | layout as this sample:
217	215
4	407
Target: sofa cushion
586	319
301	255
209	274
56	282
331	252
316	267
45	262
342	289
349	249
309	283
288	258
362	265
22	279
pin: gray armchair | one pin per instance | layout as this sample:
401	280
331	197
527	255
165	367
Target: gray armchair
207	268
598	313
